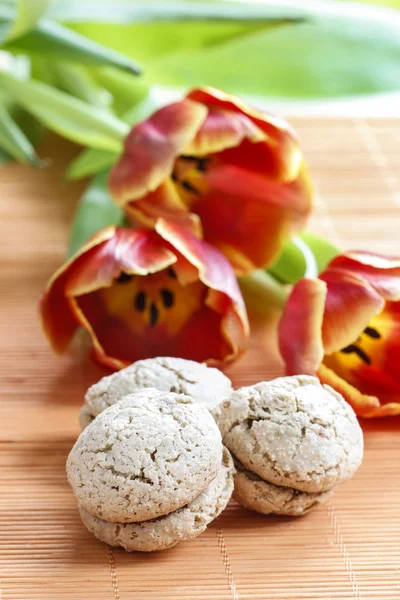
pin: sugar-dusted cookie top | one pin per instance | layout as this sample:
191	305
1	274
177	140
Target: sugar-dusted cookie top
293	432
204	384
145	456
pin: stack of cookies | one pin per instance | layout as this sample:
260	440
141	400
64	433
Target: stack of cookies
150	469
293	441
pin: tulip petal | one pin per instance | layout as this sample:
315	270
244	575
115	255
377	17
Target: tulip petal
223	129
350	304
216	273
101	260
249	217
131	251
164	202
371	363
279	134
382	272
362	404
151	149
300	340
56	311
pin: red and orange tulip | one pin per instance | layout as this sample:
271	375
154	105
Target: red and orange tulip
233	175
344	327
145	293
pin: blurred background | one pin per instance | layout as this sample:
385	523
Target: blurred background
88	69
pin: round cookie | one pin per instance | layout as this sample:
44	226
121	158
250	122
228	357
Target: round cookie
293	432
147	455
259	495
167	531
205	385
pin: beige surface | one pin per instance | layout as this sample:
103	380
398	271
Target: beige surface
347	549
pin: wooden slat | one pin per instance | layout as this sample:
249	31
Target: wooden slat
348	549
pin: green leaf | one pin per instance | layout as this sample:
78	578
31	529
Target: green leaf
171	10
391	3
66	115
53	39
95	211
79	82
343	50
126	90
151	40
332	56
13	140
4	157
92	161
23	18
323	250
89	162
32	128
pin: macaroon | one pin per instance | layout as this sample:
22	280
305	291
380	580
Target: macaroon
150	471
293	441
203	384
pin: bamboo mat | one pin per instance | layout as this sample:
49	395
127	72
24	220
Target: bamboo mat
348	549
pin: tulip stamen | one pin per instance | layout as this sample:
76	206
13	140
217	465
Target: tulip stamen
195	164
124	278
167	298
373	333
354	349
154	315
189	187
185	184
201	163
140	301
171	273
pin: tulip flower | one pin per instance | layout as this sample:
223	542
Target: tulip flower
344	327
234	176
145	293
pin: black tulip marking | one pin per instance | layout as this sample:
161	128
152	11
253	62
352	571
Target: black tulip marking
154	315
189	187
201	163
167	298
140	301
373	333
353	349
124	278
171	273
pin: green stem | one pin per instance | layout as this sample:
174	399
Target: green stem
260	290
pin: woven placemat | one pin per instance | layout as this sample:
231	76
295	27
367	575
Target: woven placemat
347	549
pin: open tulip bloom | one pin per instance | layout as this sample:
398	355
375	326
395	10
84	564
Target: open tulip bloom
344	327
145	293
233	175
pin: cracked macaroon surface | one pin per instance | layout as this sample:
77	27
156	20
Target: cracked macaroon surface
293	432
146	456
205	385
178	526
259	495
